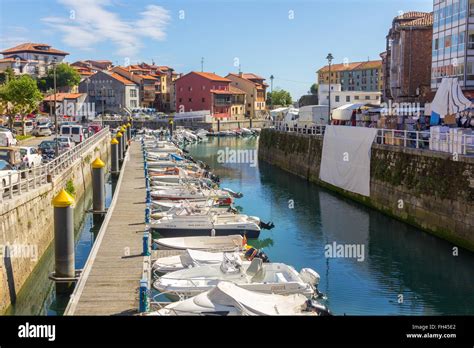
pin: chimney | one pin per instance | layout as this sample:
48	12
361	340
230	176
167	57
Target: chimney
240	73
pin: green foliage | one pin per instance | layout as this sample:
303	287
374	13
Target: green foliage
7	75
70	188
314	89
19	95
23	137
279	97
66	76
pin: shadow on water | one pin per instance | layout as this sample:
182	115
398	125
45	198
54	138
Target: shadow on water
397	258
38	295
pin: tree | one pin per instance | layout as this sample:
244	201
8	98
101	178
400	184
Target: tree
20	96
7	75
279	97
314	89
66	76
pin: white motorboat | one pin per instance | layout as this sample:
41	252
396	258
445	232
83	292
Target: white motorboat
187	209
188	193
220	243
163	205
195	258
190	258
227	299
207	224
246	131
277	278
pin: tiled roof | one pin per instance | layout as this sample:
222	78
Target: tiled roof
121	79
426	20
235	90
411	15
62	96
250	76
148	77
34	47
220	91
211	76
371	64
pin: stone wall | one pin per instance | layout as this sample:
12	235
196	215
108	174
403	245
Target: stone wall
424	188
27	221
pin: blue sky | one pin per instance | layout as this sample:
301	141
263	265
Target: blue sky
289	39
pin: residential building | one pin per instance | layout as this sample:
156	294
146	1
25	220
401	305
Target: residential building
255	93
31	58
407	66
237	107
197	91
145	82
357	76
453	43
72	105
340	97
111	92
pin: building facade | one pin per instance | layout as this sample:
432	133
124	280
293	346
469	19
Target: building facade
453	43
111	92
340	97
199	91
31	58
145	82
357	76
407	66
255	90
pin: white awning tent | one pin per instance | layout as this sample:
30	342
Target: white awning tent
344	113
449	98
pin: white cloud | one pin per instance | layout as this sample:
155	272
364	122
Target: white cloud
91	22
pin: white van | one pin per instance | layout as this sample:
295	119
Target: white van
74	132
18	126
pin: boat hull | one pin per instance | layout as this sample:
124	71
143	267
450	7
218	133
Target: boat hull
187	232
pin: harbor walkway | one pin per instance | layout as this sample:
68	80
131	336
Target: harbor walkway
110	280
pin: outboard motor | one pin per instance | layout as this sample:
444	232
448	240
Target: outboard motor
312	278
267	226
314	306
252	253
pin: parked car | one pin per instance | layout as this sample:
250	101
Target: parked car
7	173
18	126
73	131
42	131
30	156
66	143
7	138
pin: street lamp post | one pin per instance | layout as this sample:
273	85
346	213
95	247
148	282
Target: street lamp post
56	126
103	107
271	87
330	58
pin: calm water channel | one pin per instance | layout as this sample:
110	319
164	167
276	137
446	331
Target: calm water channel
399	259
38	295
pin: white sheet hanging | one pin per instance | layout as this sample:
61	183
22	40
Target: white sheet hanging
345	161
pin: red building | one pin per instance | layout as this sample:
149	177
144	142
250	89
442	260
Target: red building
197	91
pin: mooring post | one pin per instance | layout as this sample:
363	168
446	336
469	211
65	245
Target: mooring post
64	239
98	185
146	243
147	215
143	302
129	131
114	156
120	145
123	130
218	125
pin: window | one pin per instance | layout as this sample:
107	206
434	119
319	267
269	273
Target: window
348	98
203	87
133	103
337	99
111	93
133	93
180	100
190	100
190	88
249	105
356	97
203	100
367	97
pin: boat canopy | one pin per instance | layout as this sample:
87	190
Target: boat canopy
344	113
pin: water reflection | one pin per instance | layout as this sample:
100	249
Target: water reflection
398	259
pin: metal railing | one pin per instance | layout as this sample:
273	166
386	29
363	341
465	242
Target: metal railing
17	182
462	144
